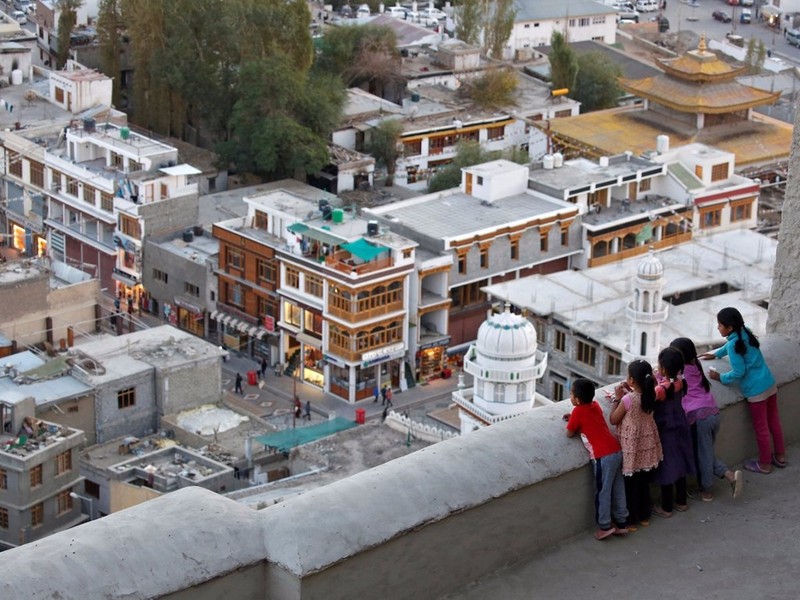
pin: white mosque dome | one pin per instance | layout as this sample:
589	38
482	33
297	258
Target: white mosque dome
650	267
506	336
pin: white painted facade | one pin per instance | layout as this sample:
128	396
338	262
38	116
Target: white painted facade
533	33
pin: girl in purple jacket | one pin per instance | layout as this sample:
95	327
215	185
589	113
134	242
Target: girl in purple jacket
702	413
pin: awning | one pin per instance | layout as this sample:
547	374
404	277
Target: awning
364	250
290	438
316	234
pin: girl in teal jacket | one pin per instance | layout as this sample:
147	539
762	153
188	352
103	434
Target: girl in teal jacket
751	373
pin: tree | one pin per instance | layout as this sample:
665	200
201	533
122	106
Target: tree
498	26
67	19
469	21
563	63
282	119
468	153
383	143
495	88
109	26
596	86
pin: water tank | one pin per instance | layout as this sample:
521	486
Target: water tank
326	212
558	160
197	230
547	161
372	228
16	77
662	144
415	96
338	215
322	203
124	133
89	125
603	161
188	236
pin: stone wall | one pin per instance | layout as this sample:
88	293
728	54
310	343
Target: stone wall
417	527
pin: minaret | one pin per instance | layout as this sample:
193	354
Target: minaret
647	311
505	365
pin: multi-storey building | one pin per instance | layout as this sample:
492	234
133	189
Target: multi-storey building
335	287
90	192
38	475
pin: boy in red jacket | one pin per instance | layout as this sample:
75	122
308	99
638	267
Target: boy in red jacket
587	419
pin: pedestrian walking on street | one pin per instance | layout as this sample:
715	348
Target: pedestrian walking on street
298	407
263	367
307	414
376	392
238	387
383	395
389	394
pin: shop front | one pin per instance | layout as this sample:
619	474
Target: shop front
312	366
356	382
191	317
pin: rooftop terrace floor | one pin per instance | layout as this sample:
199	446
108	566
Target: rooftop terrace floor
743	549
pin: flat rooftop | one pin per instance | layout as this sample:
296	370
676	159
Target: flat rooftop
592	302
28	375
47	435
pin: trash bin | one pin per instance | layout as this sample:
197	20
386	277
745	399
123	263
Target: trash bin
361	416
252	378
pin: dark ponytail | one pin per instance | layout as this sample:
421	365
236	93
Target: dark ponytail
730	317
671	362
642	374
687	348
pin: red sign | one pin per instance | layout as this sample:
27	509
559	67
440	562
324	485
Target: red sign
269	323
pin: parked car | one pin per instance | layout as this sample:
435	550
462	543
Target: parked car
733	2
20	17
746	2
793	37
397	12
646	5
746	16
432	13
722	16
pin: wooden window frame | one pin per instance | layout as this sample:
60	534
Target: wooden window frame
126	398
63	463
36	476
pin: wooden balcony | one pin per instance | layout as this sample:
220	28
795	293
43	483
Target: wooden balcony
354	315
673	240
343	261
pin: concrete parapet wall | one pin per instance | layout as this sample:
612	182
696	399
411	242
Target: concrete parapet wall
418	527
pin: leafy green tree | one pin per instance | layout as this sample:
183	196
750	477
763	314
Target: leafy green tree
383	146
563	63
282	119
495	88
469	21
109	26
468	153
596	86
498	27
67	19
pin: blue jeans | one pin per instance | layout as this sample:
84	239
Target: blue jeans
609	494
704	432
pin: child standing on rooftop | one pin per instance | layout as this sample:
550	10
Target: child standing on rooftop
755	380
702	414
587	419
635	400
674	433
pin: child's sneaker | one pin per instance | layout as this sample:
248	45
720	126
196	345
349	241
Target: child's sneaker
602	534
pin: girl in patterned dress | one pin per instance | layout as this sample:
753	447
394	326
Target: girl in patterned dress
635	400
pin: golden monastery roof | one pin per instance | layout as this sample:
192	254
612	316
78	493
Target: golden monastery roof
698	97
700	65
609	132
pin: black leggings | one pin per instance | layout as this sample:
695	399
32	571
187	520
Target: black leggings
637	494
667	503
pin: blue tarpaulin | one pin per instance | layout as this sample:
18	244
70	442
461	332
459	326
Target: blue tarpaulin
289	438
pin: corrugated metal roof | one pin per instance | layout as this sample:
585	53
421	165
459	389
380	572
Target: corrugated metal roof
540	10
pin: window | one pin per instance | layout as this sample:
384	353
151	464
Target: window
565	236
292	314
598	20
164	191
63	463
3	518
106	202
407	252
313	323
469	294
72	186
584	22
741	212
91	488
292	277
267	269
560	341
485	258
479	180
614	365
37	173
160	276
719	172
191	289
586	353
413	148
116	160
514	246
37	515
558	390
129	226
126	398
267	306
644	185
710	218
261	220
3	479
36	476
63	502
313	285
462	264
234	258
88	194
235	295
543	241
